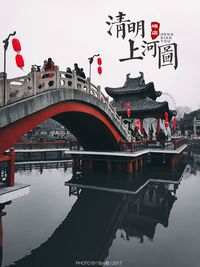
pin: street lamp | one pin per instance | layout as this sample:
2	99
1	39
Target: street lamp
91	59
6	43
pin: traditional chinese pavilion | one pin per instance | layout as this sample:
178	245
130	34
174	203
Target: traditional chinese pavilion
141	100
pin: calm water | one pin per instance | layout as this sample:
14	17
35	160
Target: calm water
155	224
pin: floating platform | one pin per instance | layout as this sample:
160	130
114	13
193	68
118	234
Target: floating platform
106	153
13	192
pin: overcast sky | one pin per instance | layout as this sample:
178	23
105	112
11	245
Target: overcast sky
72	31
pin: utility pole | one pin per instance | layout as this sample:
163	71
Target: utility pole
6	43
91	59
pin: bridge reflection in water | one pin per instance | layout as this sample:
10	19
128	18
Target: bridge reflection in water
133	205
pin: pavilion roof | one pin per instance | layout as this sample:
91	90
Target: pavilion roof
134	86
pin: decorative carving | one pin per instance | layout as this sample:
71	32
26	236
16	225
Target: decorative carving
132	82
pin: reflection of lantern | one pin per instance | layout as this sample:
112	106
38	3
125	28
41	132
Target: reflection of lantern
16	45
19	61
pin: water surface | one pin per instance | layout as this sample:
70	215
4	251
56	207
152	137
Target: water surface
156	223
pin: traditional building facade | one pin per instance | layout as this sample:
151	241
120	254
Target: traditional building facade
136	101
189	124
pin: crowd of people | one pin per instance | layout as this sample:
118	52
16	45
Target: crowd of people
49	66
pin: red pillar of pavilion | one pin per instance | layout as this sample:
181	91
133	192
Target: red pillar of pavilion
158	126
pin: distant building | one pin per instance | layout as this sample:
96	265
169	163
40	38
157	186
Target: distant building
187	123
49	130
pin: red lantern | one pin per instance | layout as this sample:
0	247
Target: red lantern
99	61
99	70
166	124
174	123
166	119
128	106
19	61
137	127
16	45
166	114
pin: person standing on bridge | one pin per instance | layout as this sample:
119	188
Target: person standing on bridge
49	67
77	69
44	65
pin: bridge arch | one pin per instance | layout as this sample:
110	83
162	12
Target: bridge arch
85	116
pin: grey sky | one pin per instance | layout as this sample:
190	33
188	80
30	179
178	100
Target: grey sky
72	31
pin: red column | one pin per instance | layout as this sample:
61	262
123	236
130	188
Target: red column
12	167
174	144
132	146
158	126
141	126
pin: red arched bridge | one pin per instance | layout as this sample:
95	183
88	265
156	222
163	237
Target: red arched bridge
74	102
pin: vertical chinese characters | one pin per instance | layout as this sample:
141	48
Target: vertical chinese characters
120	27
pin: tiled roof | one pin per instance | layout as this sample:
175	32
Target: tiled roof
129	89
147	89
139	104
144	104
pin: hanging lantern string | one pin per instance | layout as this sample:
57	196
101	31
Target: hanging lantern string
18	58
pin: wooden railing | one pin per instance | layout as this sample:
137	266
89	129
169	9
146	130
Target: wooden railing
178	142
40	144
135	146
70	144
132	146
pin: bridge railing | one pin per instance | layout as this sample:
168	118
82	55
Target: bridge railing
19	88
36	82
178	141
